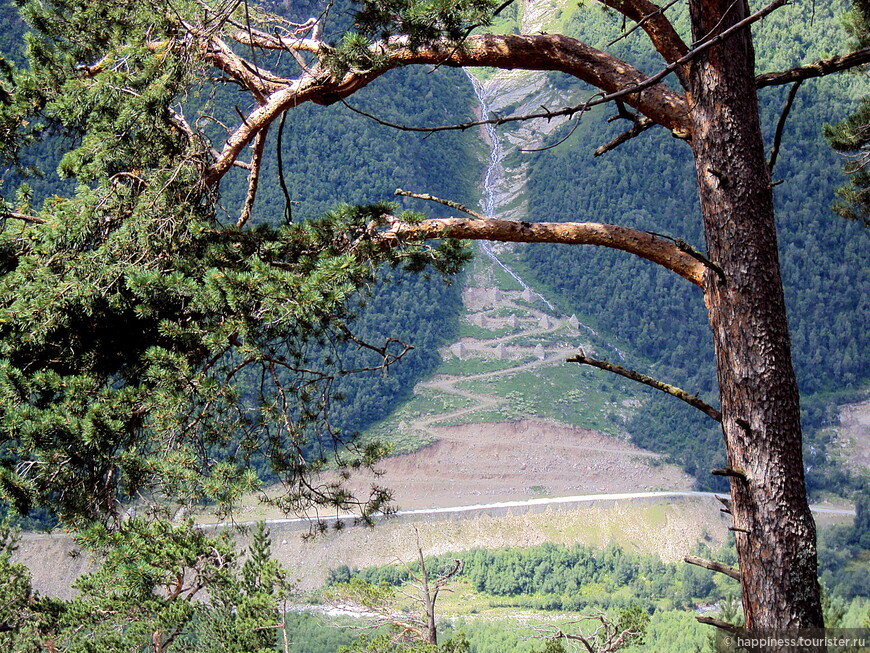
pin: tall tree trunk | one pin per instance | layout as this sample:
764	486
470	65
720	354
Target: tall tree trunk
775	532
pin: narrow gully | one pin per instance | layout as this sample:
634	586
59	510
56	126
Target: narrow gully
493	176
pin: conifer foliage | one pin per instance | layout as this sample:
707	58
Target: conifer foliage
161	587
134	314
152	347
852	136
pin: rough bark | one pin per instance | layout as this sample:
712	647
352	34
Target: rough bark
651	18
564	54
774	529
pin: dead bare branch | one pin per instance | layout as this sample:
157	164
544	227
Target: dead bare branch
30	219
639	127
724	625
674	391
387	358
607	636
561	140
254	177
819	68
642	21
714	566
279	159
450	203
780	125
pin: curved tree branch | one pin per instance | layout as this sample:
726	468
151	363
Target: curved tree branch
551	52
640	243
780	125
651	18
534	52
819	68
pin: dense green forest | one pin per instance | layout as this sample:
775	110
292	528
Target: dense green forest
582	580
332	155
668	632
555	577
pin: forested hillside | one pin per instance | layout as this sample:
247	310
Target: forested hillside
167	343
331	155
649	183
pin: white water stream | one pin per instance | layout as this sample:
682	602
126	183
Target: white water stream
494	176
491	180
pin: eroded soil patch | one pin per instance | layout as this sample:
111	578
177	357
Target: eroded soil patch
506	461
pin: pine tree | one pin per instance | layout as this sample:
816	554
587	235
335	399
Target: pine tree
148	349
158	587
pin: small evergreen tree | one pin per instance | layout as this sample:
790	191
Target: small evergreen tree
167	589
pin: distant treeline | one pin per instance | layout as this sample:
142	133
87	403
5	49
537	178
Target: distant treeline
557	577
